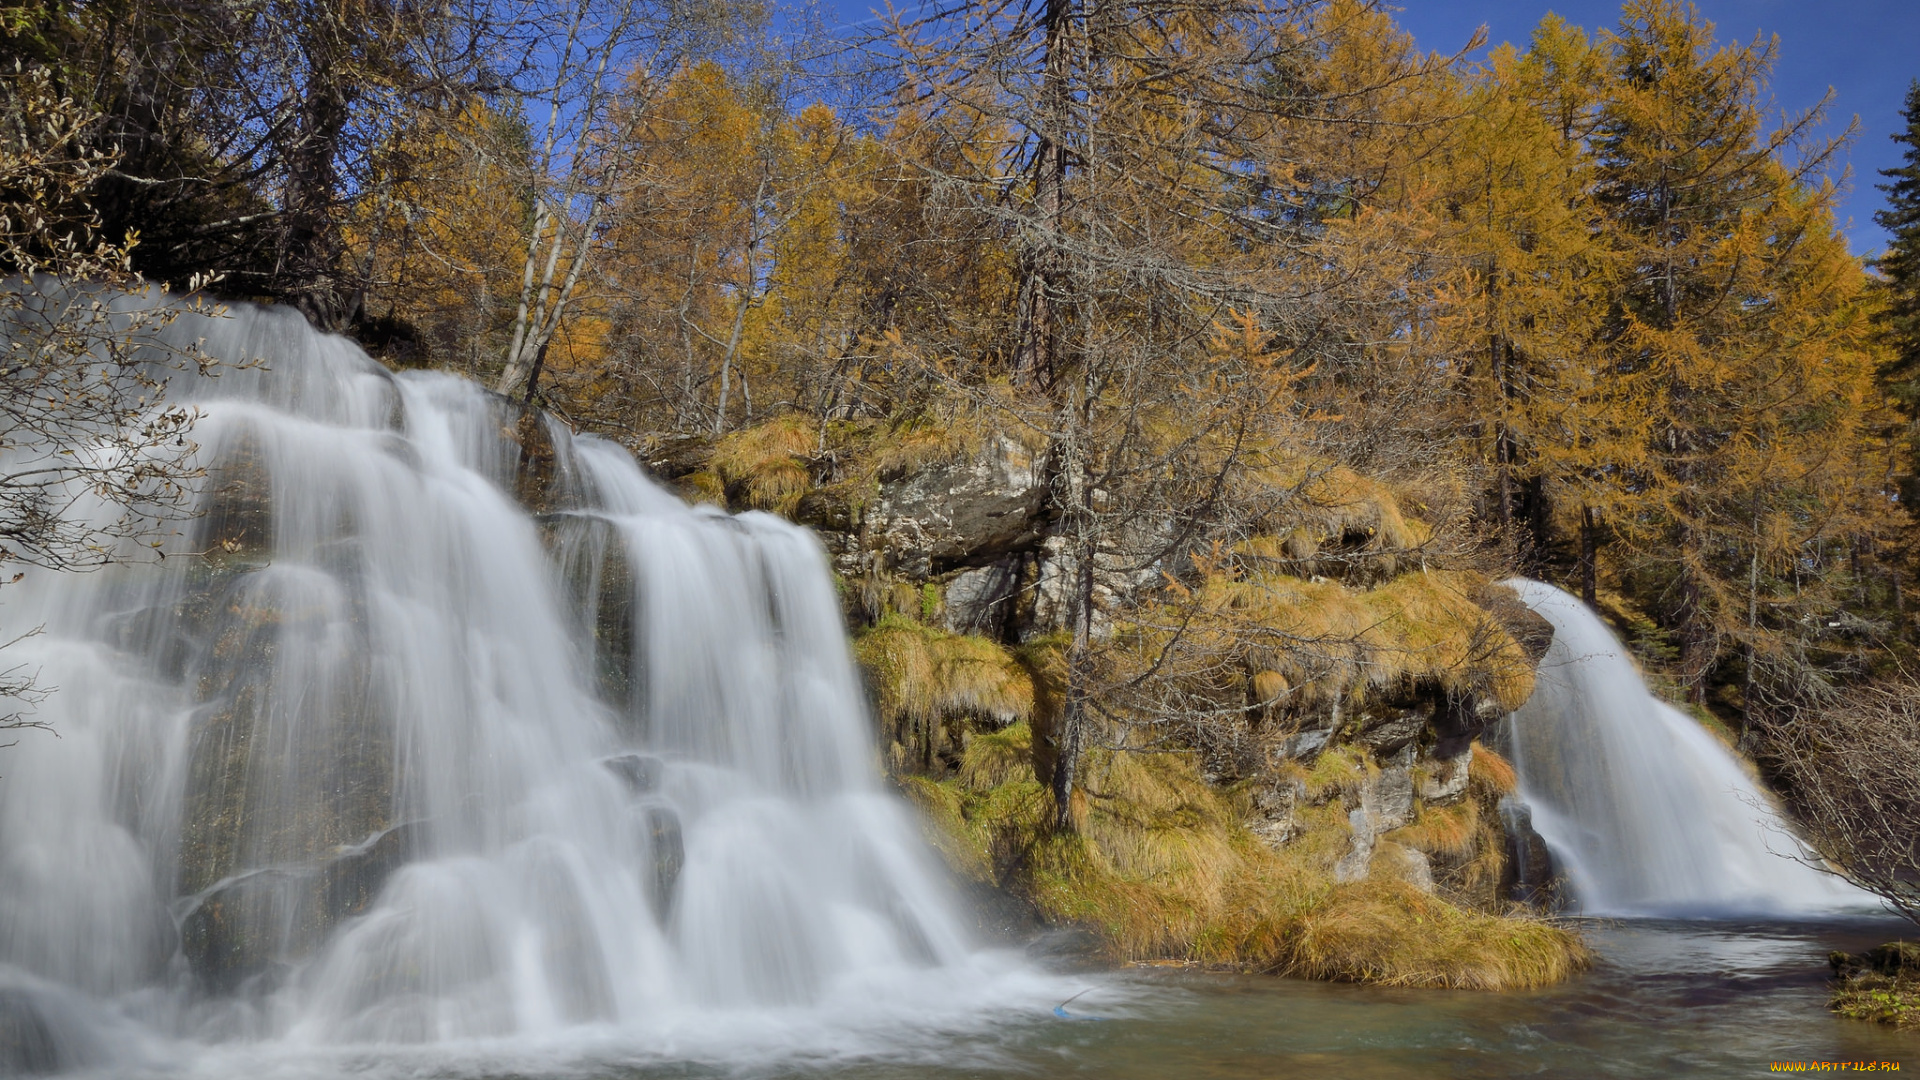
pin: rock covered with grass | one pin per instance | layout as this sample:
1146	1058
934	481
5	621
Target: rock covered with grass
1881	984
1287	776
1164	867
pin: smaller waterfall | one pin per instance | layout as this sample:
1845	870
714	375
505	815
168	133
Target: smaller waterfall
1646	811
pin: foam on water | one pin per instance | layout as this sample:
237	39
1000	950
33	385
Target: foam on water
439	726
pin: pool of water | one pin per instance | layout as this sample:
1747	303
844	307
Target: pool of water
1666	999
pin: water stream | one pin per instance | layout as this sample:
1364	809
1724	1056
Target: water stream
1646	811
443	743
438	725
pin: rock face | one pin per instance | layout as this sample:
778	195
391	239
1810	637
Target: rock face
287	823
967	546
593	562
1386	804
960	513
27	1044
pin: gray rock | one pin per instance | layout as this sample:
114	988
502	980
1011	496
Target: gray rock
960	513
1403	863
1529	877
27	1043
1386	803
1445	779
981	601
601	589
667	857
1353	865
1388	731
639	772
253	928
1388	798
1276	818
1304	744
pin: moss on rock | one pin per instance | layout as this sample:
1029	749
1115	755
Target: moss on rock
1164	868
1881	984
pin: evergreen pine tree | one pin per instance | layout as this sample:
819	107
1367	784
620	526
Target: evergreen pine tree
1901	263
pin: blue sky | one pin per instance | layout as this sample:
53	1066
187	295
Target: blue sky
1865	50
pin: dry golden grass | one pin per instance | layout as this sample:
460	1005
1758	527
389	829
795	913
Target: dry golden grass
1490	774
771	461
1393	934
994	758
1319	506
1164	869
1329	640
1452	832
926	673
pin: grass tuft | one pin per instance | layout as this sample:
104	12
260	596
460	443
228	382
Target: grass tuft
1392	934
1490	774
771	462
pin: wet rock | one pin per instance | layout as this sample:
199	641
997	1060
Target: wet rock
668	856
348	884
537	466
290	765
236	509
1528	876
27	1043
253	929
231	937
1896	958
639	772
592	557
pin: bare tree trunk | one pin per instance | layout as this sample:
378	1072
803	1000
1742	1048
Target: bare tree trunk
1589	557
746	301
1034	351
1070	740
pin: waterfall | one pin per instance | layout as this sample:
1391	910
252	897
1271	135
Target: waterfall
437	723
1647	813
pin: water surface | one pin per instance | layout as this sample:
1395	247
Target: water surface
1666	999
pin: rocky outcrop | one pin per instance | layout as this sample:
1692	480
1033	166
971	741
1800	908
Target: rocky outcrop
1881	984
1385	804
955	553
1528	875
959	513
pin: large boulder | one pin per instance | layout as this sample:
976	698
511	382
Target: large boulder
960	513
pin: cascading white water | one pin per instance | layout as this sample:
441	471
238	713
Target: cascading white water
437	724
1647	813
